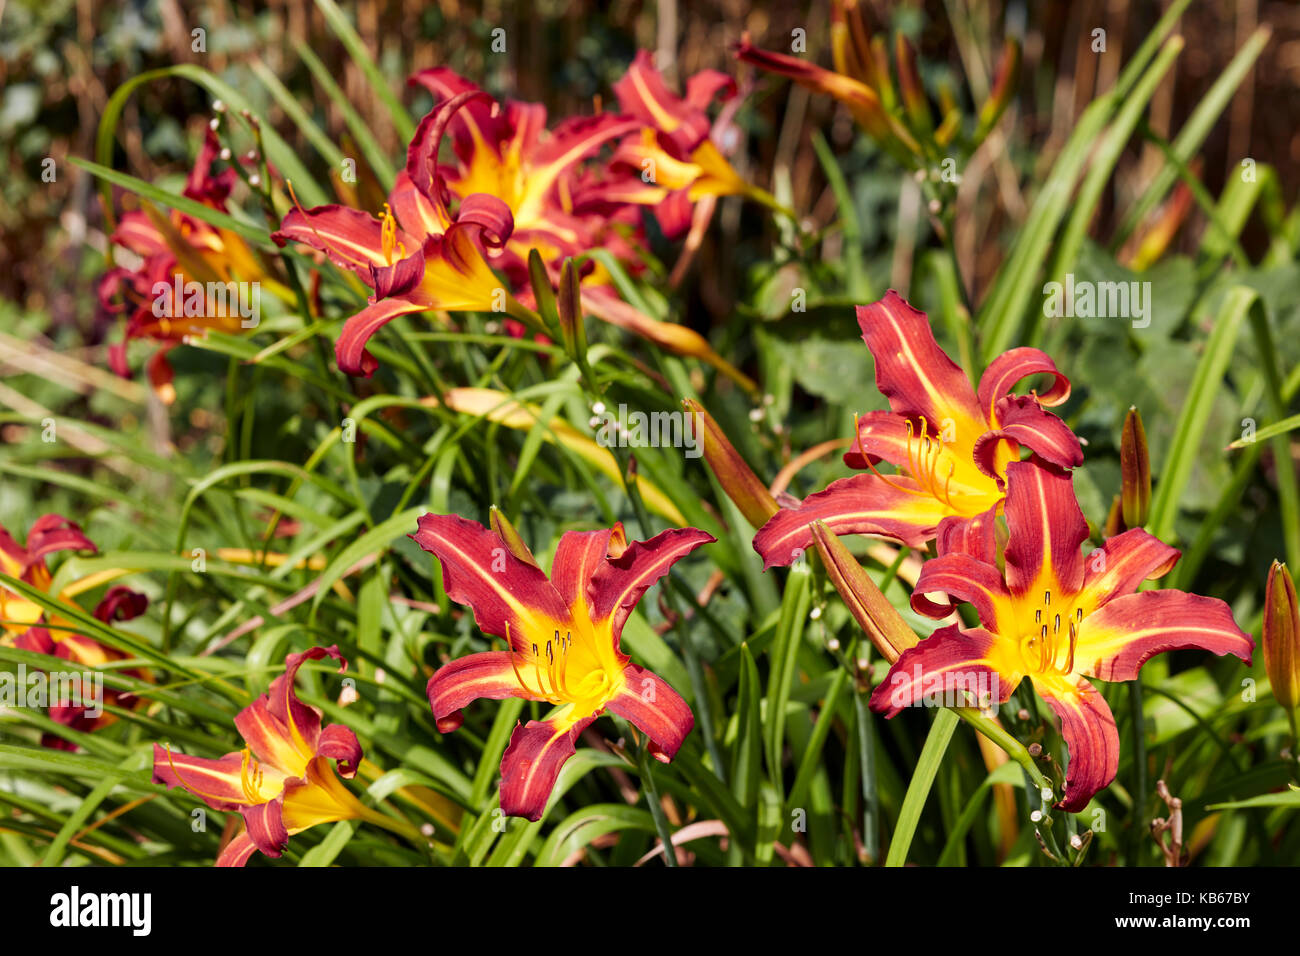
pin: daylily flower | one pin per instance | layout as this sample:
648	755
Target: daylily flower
1056	618
119	604
422	259
27	627
562	638
508	153
951	443
674	159
178	251
48	535
281	782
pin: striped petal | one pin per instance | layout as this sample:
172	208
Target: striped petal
619	583
892	507
976	536
964	579
1045	531
238	851
340	744
1014	366
480	571
350	238
266	829
572	141
577	558
350	349
952	667
51	533
1022	423
915	374
1120	566
532	763
653	707
218	783
642	93
491	675
1088	728
1117	639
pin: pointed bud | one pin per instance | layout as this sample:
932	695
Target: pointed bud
1155	241
514	542
735	476
851	43
1135	471
1282	639
569	306
1005	81
869	607
909	83
1114	519
543	295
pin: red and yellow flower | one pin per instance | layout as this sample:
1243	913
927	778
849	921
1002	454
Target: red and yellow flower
562	637
507	152
281	782
26	625
673	159
951	443
423	257
172	251
1056	618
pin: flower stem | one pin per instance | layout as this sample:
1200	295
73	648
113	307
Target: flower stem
656	809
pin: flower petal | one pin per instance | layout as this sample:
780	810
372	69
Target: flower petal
618	584
532	762
51	533
1011	367
1045	530
642	93
1088	728
1022	423
915	374
890	507
479	570
265	822
350	238
1118	638
938	670
490	674
650	704
975	536
963	578
350	349
238	851
577	558
218	783
572	141
1122	563
340	744
120	603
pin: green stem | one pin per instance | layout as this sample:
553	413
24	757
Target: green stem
656	809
